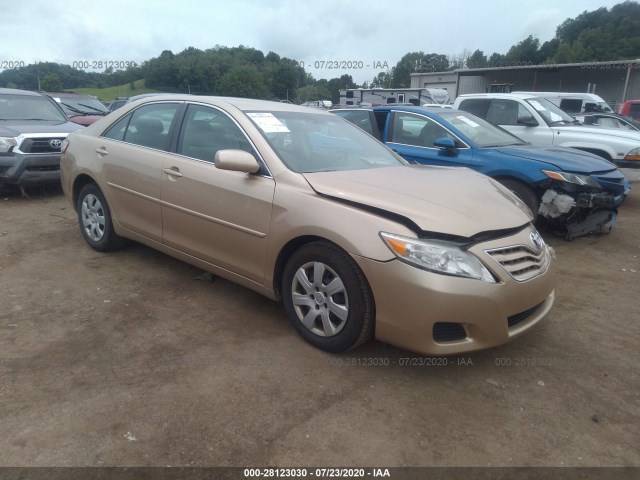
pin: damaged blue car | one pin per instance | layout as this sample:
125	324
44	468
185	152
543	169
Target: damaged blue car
574	192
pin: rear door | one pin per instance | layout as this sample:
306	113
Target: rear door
130	156
219	216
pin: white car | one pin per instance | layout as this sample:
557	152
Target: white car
538	121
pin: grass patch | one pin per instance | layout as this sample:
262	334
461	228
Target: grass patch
111	93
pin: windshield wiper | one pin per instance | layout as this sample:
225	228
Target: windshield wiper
76	110
101	112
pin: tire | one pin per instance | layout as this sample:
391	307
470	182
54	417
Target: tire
94	219
524	193
327	298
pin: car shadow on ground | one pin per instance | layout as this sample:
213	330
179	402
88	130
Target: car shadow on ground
8	192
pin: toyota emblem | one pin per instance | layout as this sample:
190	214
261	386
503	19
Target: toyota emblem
537	240
55	143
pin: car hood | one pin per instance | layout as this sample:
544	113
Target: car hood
454	201
85	119
597	131
18	127
567	159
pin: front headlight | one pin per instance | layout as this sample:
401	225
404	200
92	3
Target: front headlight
633	154
437	256
582	180
7	143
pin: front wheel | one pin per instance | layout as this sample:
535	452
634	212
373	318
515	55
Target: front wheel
95	222
327	297
524	193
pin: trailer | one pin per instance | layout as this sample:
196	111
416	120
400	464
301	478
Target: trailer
371	97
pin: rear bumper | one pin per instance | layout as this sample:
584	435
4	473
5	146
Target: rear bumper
30	169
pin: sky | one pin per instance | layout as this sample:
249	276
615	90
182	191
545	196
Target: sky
363	37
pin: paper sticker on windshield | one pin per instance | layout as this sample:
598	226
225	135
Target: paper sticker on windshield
268	123
537	106
468	121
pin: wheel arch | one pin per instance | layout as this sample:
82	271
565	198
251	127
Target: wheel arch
79	182
537	188
283	255
600	152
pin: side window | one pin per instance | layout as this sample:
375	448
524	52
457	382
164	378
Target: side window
118	129
360	118
477	106
206	130
416	130
572	105
149	125
503	112
524	116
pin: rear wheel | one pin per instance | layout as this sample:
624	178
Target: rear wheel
327	297
95	222
524	193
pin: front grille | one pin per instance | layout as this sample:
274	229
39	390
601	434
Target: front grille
448	332
40	145
521	262
519	317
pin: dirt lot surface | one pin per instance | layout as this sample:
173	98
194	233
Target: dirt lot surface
127	359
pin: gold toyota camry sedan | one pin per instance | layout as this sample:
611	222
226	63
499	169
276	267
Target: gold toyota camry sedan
302	206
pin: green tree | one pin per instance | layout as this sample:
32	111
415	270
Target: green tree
51	83
477	60
243	81
524	52
417	62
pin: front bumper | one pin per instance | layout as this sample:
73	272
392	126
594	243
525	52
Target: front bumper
627	163
30	169
438	314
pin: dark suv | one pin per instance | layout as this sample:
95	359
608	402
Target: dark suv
32	128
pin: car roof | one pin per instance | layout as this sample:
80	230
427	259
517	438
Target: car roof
15	91
67	95
501	95
243	104
584	96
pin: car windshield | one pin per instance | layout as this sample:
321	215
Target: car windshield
309	142
478	130
29	107
81	106
550	113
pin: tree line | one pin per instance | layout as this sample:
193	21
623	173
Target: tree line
600	35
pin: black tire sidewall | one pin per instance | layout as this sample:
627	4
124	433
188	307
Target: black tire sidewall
360	312
524	193
109	240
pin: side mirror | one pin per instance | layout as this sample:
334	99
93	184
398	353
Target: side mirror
446	143
527	121
236	160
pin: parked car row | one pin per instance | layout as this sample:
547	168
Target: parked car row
357	239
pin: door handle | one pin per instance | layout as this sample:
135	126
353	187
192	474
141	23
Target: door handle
102	151
173	171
